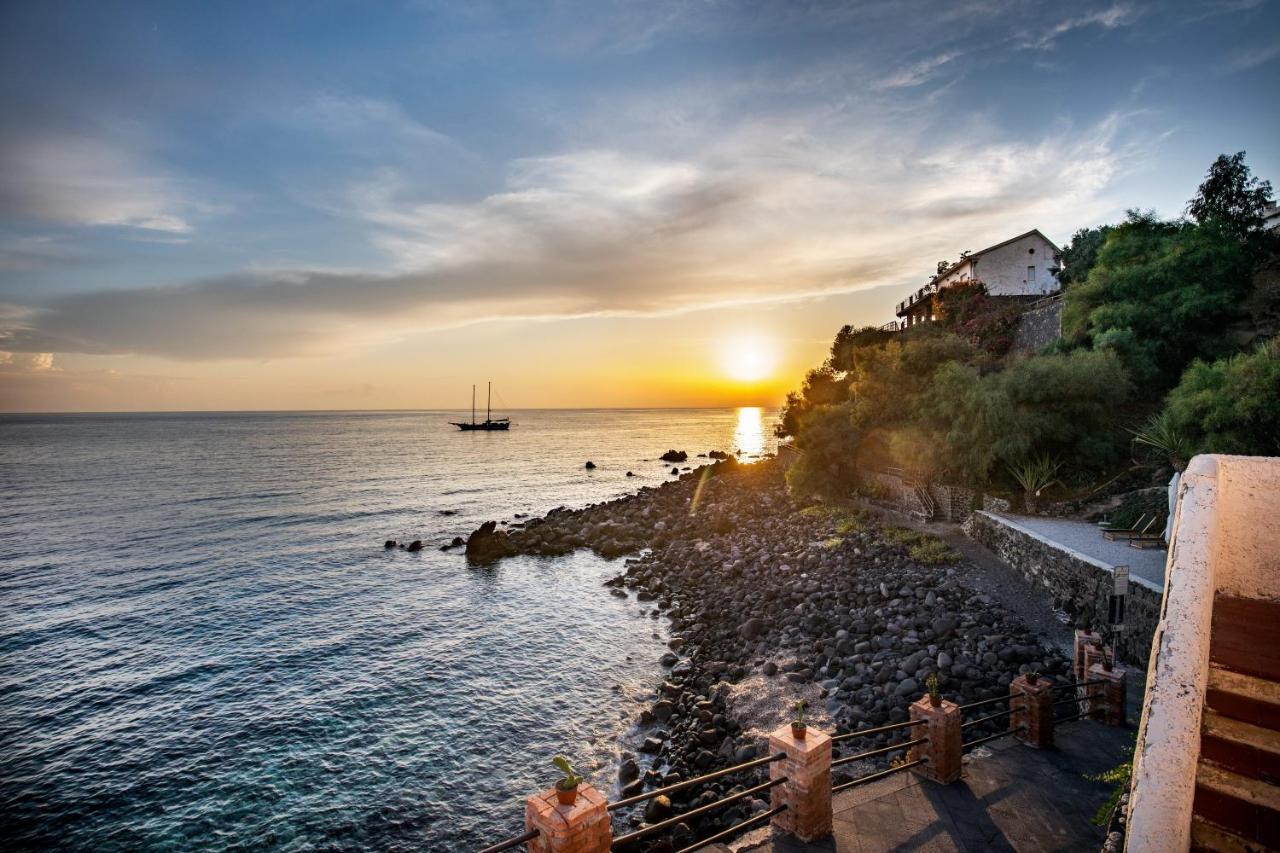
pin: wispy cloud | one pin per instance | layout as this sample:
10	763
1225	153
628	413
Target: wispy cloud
755	214
1110	18
1252	57
920	72
80	180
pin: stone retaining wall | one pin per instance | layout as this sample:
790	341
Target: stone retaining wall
1080	584
1038	328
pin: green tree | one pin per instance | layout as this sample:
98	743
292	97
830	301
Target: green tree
829	447
1159	296
1231	197
822	386
1079	256
1231	405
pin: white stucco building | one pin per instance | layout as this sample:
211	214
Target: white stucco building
1025	265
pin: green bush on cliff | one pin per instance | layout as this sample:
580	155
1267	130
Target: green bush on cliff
1231	405
1145	301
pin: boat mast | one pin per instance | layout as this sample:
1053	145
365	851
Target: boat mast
473	405
487	401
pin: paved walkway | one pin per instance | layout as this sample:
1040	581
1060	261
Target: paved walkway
1087	539
1010	798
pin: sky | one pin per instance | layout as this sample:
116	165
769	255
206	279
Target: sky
355	205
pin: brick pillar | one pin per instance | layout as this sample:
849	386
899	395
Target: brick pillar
942	727
1108	698
1088	651
1037	713
807	791
583	827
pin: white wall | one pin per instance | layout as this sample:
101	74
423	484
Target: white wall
1004	270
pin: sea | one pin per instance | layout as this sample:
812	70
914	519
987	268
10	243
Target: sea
205	646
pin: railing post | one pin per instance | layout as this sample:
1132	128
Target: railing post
1088	649
1108	698
807	791
942	727
1033	725
583	827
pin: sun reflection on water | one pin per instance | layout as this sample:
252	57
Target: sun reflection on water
748	435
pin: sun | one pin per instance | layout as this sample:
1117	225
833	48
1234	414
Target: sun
748	358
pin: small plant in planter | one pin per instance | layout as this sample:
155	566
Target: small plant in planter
935	694
567	787
1032	676
798	726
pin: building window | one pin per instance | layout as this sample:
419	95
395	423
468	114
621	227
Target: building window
1031	275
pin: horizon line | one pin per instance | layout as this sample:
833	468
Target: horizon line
381	410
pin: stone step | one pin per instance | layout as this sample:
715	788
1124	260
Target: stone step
1240	747
1245	636
1240	805
1206	836
1243	697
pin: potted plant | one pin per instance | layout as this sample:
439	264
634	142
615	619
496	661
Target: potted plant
1032	676
798	727
567	787
935	695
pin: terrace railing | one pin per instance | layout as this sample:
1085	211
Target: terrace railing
800	788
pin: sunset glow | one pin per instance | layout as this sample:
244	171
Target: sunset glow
749	358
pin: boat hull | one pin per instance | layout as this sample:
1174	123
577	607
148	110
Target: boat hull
486	426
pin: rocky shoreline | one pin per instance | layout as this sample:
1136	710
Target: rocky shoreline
770	601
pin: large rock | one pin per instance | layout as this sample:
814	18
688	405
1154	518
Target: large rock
487	543
674	456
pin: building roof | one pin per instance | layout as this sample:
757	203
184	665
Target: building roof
969	257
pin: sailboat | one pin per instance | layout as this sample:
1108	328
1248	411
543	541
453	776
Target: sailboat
488	423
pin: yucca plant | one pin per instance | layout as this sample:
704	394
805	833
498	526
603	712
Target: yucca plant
567	787
1161	434
798	725
1034	476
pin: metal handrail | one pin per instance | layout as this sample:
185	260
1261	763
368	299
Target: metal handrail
986	702
1093	683
892	727
874	776
511	842
983	740
649	795
672	821
872	753
723	834
994	716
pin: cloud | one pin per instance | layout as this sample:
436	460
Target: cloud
82	180
1113	17
772	208
920	72
1253	57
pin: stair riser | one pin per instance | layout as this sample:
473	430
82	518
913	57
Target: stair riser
1253	822
1243	708
1241	758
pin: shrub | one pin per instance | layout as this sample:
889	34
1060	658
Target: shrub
1231	405
934	553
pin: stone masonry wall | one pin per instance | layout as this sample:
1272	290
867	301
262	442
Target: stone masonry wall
1038	328
1079	585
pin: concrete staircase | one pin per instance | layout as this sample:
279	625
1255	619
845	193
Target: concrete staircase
1237	795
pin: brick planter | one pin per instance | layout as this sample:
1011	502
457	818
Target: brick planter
807	791
942	727
583	827
1033	725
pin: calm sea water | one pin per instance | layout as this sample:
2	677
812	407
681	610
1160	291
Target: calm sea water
203	644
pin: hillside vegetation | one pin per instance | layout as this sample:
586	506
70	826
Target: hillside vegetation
1162	356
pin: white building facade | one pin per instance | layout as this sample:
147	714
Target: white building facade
1026	265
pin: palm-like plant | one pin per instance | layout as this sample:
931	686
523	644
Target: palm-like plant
1034	476
1161	434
